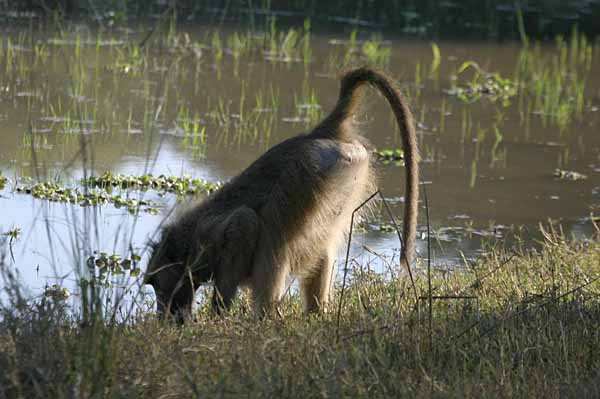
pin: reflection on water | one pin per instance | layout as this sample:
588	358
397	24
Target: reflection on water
207	103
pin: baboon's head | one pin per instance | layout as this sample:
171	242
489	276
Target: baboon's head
165	273
176	267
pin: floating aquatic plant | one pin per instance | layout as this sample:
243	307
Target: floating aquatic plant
56	193
181	186
569	175
386	156
185	185
483	85
103	266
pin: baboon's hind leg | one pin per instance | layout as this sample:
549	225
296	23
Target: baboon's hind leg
237	243
268	277
317	287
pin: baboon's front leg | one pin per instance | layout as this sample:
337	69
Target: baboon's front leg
179	302
237	243
316	288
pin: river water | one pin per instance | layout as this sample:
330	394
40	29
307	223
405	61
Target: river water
207	101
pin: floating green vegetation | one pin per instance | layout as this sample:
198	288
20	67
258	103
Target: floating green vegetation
387	156
185	185
56	193
104	266
483	85
569	175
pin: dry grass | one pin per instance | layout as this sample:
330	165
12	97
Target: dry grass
533	331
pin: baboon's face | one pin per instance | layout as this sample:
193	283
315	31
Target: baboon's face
174	271
163	274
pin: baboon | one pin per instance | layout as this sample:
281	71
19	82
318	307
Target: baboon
287	213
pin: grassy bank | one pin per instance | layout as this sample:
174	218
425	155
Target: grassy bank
515	324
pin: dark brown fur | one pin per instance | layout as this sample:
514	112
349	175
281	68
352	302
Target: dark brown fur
288	212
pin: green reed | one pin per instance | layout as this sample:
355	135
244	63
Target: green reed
555	82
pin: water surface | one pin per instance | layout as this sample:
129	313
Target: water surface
191	102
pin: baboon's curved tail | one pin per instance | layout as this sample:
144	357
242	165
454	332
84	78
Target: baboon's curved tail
331	127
